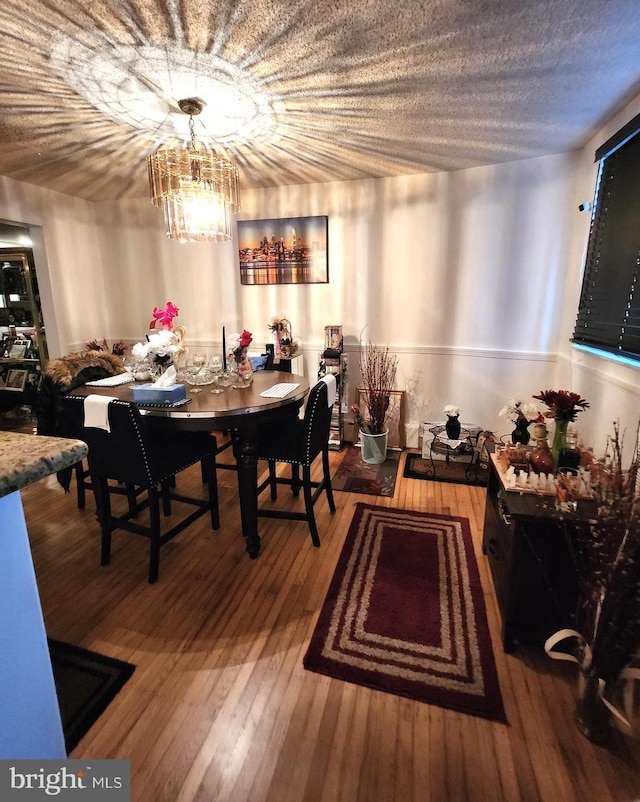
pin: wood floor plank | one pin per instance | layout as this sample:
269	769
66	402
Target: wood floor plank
220	707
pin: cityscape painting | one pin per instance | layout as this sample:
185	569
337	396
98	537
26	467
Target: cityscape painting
288	250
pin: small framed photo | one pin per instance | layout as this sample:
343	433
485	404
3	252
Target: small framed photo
18	350
15	379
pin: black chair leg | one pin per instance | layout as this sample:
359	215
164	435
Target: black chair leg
165	490
132	500
80	489
103	507
326	478
208	468
273	486
308	504
295	478
154	540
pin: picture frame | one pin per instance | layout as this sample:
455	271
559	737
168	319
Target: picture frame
18	350
395	418
286	250
15	379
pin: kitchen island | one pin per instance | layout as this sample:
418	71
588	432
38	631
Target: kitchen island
30	725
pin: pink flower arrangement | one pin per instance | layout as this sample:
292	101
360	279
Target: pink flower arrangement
164	316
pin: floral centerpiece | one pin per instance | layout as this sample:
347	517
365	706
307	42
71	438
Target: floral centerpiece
563	408
606	552
164	317
238	353
522	414
160	348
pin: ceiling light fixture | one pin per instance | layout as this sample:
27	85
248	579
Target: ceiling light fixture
197	190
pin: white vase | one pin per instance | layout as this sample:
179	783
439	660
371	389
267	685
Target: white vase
374	447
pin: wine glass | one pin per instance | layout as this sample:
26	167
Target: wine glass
216	366
199	360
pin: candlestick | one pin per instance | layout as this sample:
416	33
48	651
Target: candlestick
224	351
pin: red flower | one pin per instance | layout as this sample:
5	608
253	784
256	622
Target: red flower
245	339
562	404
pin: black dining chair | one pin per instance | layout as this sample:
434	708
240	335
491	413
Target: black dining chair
300	443
61	376
145	453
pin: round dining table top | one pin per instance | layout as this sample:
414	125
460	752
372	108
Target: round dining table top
206	405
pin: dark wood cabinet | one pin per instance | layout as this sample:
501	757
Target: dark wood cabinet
528	546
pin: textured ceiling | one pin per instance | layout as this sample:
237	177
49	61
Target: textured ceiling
300	91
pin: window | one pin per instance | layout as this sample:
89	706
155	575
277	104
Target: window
609	311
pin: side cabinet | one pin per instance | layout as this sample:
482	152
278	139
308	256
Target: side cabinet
531	565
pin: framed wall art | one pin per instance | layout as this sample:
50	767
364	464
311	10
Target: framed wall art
286	250
15	380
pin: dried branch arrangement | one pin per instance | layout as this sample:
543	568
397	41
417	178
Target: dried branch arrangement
378	368
119	348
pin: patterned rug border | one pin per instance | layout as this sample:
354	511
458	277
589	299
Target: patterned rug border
485	702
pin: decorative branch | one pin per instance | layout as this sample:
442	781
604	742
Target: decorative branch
378	368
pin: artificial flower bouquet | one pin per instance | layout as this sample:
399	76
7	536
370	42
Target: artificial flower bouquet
242	342
164	316
518	410
563	404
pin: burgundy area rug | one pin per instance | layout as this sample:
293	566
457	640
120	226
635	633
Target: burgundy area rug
355	476
405	613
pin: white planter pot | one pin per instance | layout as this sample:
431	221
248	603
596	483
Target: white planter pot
374	447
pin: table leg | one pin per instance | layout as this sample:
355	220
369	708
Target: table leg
246	449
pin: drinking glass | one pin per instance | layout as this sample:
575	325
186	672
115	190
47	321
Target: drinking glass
216	366
199	360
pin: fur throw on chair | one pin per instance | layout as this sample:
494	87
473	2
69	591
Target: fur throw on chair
64	371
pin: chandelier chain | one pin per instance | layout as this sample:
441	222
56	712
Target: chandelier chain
192	132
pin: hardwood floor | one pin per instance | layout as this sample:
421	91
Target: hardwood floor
220	708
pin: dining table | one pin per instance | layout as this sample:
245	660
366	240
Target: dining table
239	411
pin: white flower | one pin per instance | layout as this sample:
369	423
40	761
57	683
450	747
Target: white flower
520	409
451	410
162	343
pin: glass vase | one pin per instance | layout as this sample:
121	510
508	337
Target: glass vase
243	376
592	714
559	440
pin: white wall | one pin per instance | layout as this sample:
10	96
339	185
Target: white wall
459	273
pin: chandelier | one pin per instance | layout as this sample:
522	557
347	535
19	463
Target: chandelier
197	189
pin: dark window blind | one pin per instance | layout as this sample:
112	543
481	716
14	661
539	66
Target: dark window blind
609	310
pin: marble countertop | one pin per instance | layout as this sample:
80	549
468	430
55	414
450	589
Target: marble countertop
25	458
